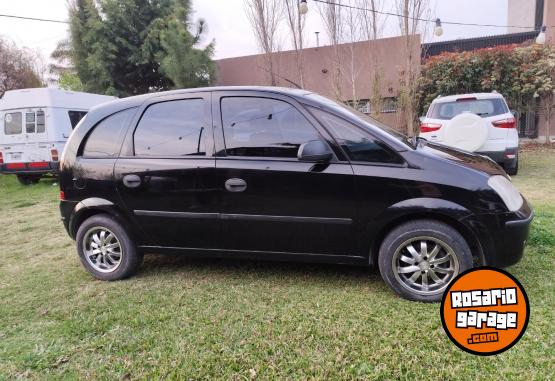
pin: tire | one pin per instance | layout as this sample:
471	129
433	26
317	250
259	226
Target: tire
28	179
395	258
514	170
105	265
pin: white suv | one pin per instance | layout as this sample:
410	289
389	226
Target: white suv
480	123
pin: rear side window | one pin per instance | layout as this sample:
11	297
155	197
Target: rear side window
173	128
13	123
264	127
355	142
482	107
75	117
105	139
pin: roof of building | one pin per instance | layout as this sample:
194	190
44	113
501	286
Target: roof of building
50	97
435	48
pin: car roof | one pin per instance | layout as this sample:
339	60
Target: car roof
453	98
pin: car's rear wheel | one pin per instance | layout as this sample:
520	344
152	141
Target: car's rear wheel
28	179
418	259
106	249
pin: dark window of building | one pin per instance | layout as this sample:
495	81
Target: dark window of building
264	127
355	142
105	139
75	117
174	128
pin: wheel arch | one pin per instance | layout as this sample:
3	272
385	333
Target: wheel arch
93	206
443	211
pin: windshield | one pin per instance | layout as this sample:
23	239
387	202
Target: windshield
365	119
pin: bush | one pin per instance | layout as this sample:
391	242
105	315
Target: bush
523	74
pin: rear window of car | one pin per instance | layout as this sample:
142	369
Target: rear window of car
481	107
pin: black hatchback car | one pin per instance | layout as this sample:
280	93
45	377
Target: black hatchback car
281	174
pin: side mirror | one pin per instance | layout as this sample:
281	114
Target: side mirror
515	113
315	150
421	119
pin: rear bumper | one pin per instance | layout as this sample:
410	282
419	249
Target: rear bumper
508	158
503	236
37	167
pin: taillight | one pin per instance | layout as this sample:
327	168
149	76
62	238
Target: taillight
62	196
429	127
505	123
1	157
54	154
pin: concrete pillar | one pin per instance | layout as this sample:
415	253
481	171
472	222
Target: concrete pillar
549	20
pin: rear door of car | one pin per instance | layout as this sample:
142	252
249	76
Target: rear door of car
166	172
271	202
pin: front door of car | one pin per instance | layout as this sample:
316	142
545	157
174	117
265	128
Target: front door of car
166	172
271	202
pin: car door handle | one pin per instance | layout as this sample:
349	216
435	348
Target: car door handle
131	181
235	185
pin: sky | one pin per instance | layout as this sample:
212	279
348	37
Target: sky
229	26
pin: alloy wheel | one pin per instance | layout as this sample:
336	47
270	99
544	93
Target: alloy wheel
425	265
102	249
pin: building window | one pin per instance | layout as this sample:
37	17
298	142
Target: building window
363	105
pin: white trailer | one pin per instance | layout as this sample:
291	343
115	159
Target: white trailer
34	126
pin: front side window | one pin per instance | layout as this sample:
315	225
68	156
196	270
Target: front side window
358	145
173	128
105	139
264	127
13	123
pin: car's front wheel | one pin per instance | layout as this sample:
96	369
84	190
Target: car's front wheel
418	259
106	249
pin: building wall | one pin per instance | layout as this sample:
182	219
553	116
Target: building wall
521	13
355	79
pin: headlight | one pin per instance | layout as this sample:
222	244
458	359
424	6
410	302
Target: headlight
507	191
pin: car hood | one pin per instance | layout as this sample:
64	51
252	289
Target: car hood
463	158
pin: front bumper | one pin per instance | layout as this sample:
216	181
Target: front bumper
502	236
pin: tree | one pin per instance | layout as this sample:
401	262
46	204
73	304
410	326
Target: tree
18	68
334	23
372	26
128	47
411	13
265	17
69	81
295	22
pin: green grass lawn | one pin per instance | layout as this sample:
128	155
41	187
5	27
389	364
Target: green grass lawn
183	318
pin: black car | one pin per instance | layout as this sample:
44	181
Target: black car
281	174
